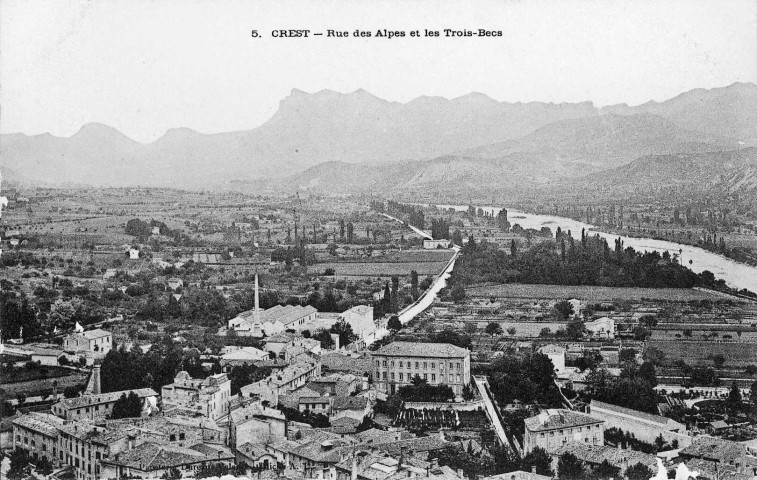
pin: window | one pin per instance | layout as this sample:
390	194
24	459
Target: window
416	365
401	377
172	437
400	364
433	365
425	365
542	435
378	363
433	377
458	365
392	375
182	436
425	376
451	366
551	434
385	363
392	363
384	375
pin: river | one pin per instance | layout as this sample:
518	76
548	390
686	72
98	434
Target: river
737	275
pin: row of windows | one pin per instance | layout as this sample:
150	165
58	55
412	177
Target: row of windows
409	364
570	430
424	376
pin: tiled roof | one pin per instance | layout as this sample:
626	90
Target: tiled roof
552	349
596	454
43	423
350	403
417	349
154	456
559	418
714	449
628	411
517	475
346	363
253	450
96	333
419	444
87	400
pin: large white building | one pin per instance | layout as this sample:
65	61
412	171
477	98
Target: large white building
396	364
553	428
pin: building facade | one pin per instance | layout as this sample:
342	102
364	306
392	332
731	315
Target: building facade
98	341
553	428
398	363
209	397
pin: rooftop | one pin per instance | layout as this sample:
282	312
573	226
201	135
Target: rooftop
96	333
596	454
154	456
417	349
87	400
44	423
559	418
711	448
635	413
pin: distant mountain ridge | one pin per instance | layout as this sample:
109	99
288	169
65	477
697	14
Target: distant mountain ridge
553	140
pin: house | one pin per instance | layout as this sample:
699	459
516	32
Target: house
256	455
645	426
152	460
557	355
518	475
244	355
37	433
593	456
717	451
553	428
398	363
133	254
282	382
208	397
256	424
98	406
603	327
360	318
434	244
372	464
97	340
175	283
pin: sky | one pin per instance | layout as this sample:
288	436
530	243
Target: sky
143	66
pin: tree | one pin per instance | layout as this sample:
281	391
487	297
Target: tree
627	355
493	329
44	467
19	464
127	407
653	355
513	248
323	336
539	458
647	373
718	360
414	284
638	471
564	309
734	399
457	294
569	467
470	328
344	330
246	374
511	330
394	323
606	471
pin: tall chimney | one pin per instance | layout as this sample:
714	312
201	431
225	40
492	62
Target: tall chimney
353	471
257	300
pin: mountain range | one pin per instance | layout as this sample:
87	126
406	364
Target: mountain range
335	142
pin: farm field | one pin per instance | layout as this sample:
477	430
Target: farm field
589	293
42	387
702	352
383	269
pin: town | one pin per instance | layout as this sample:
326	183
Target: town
166	334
